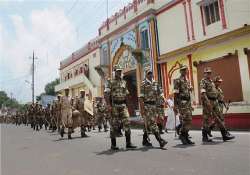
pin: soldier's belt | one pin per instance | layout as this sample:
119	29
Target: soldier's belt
150	102
212	98
118	102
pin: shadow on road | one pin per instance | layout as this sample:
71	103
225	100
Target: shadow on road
183	146
66	139
142	149
211	143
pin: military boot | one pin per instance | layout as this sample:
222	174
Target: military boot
128	141
145	141
177	128
183	138
161	141
113	144
69	133
188	140
83	134
99	128
226	135
205	137
62	132
211	127
105	128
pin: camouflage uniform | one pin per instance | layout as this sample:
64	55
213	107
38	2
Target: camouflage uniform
116	93
211	108
182	100
101	112
148	101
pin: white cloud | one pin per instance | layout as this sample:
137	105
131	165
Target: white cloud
52	36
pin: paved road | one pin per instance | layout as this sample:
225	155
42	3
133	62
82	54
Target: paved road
27	152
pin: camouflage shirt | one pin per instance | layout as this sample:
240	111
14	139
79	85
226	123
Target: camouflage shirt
207	86
182	89
117	89
151	92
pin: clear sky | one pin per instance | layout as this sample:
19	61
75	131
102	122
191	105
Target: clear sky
53	29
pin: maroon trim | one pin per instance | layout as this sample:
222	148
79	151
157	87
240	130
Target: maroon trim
222	13
169	6
233	121
74	60
125	26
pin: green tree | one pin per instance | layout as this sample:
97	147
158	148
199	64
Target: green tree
50	87
8	102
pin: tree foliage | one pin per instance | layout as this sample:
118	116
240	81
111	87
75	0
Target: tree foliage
8	102
49	89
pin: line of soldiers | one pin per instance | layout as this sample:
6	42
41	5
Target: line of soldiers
212	103
152	107
70	113
65	112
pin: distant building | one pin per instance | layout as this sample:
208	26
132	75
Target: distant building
47	99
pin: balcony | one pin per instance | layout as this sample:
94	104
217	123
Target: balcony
80	79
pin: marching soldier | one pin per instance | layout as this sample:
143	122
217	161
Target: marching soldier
148	100
116	93
211	109
79	105
66	114
58	108
221	103
36	117
101	114
182	104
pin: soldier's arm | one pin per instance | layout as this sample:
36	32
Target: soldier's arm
204	97
107	92
176	92
141	98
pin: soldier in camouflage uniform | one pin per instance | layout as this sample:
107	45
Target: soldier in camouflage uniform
101	112
148	99
182	104
36	117
79	105
211	109
116	93
217	82
66	114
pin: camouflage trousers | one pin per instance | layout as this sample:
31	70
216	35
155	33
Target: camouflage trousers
213	114
150	114
119	116
185	112
101	120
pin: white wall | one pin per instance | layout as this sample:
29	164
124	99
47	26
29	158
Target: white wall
172	27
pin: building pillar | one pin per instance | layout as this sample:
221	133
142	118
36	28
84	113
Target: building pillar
154	46
245	79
